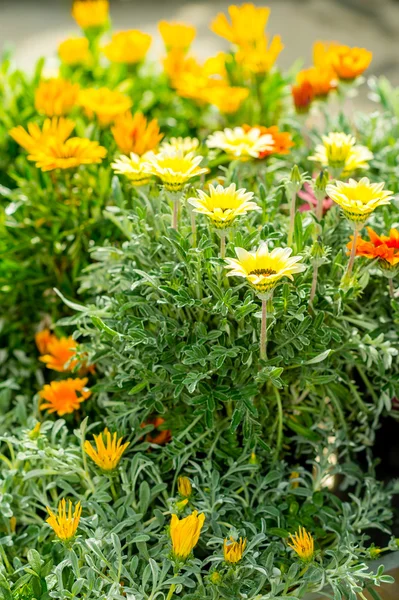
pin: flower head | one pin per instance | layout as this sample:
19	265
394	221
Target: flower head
134	167
180	144
43	339
247	24
184	486
302	95
264	269
62	396
58	352
67	155
384	248
340	151
104	103
349	63
176	36
66	522
108	451
233	550
133	133
321	79
185	534
74	51
240	143
303	544
56	97
282	141
358	199
260	57
159	436
223	205
227	99
90	13
175	169
128	47
55	129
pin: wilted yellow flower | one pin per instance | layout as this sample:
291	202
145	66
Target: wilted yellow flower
133	133
223	205
264	269
74	51
57	129
67	155
104	103
185	534
260	57
13	524
134	167
303	544
108	452
176	36
184	487
339	151
90	13
56	97
294	475
241	143
185	145
175	169
62	396
233	550
128	47
66	522
247	24
358	199
227	99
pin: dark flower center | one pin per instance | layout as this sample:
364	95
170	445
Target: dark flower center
264	272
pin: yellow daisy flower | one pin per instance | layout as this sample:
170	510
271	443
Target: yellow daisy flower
133	133
57	129
67	155
90	13
247	24
104	103
108	452
233	550
129	47
226	98
175	169
223	205
134	167
185	534
56	97
261	57
242	144
66	522
74	51
340	152
303	544
176	36
185	145
358	199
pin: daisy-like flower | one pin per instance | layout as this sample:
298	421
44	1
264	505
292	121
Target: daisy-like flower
349	63
302	95
384	248
340	152
227	99
233	550
66	522
322	80
108	451
303	544
56	97
184	486
64	397
58	352
128	47
175	169
43	339
74	51
241	144
180	144
67	155
223	205
57	129
282	139
104	103
260	57
159	435
134	167
90	13
358	199
185	534
133	133
264	269
176	36
247	24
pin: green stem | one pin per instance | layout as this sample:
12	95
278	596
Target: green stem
175	214
391	288
292	219
352	254
263	331
314	283
222	245
193	229
280	421
171	590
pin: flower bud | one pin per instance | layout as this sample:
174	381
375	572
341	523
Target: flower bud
319	185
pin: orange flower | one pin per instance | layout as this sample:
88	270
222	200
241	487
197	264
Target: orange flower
128	47
282	139
385	248
227	99
302	95
43	338
62	396
59	353
106	104
247	24
322	80
56	97
349	63
157	436
323	53
133	133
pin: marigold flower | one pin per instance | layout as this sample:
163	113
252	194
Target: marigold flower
228	99
43	339
322	80
282	139
180	144
58	352
385	248
247	25
184	486
185	534
349	63
260	58
74	51
233	550
134	167
55	129
175	169
56	97
108	452
302	95
128	47
240	143
66	522
358	199
133	133
176	36
303	544
104	103
62	396
90	13
340	151
264	269
67	155
223	205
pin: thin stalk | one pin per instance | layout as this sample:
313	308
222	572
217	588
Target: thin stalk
171	590
314	283
292	219
222	244
391	288
263	331
319	208
193	229
352	254
175	214
280	422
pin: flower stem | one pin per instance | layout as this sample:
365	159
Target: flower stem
319	208
352	254
292	219
193	229
175	214
263	331
391	288
314	283
171	590
222	245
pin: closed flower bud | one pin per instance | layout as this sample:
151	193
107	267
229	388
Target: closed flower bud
319	185
184	487
294	182
216	578
233	551
253	460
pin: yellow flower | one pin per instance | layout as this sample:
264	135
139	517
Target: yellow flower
185	534
65	523
264	269
233	551
184	487
303	544
13	524
133	133
134	167
35	432
247	24
56	97
57	129
184	145
90	13
67	155
108	452
104	103
227	99
128	47
340	152
294	475
176	36
74	51
223	205
358	199
239	143
175	169
260	58
62	396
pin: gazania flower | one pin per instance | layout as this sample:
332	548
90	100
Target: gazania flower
176	36
358	199
56	97
322	80
260	58
90	13
67	155
108	451
74	51
134	167
303	544
185	534
233	550
339	151
104	103
282	141
43	339
59	352
242	144
133	133
180	144
223	205
247	25
323	53
264	269
184	487
384	248
129	47
175	169
62	397
159	435
302	95
349	63
66	522
55	129
227	99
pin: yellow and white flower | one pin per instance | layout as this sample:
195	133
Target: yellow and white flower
183	144
223	205
340	151
134	167
174	168
358	199
241	144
